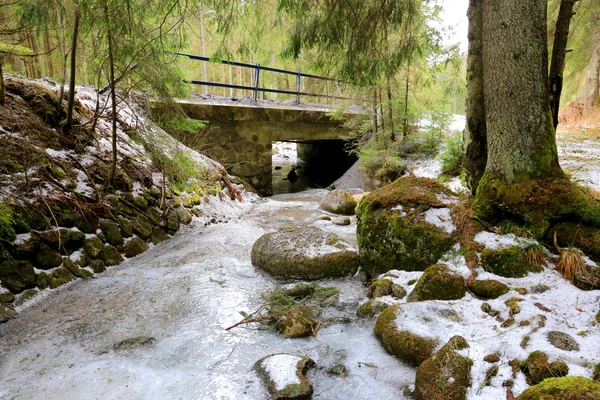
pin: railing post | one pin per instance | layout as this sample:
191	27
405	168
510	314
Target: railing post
256	77
298	86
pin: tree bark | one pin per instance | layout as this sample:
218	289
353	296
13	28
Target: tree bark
593	83
405	127
390	110
521	137
2	89
559	53
113	95
475	134
71	102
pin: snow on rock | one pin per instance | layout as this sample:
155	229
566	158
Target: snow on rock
282	369
441	218
495	241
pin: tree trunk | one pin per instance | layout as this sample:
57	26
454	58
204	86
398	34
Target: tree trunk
559	53
592	92
71	102
405	128
2	89
35	47
475	134
521	138
48	47
113	95
390	111
375	110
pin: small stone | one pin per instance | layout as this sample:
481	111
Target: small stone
488	289
341	221
323	218
491	358
338	202
398	291
522	291
538	368
537	289
7	298
6	313
438	282
158	235
562	341
380	288
185	217
300	290
285	376
371	308
508	323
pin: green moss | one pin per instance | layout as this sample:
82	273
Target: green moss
567	388
17	275
408	347
488	289
596	375
7	231
511	262
371	308
537	368
59	277
438	283
380	288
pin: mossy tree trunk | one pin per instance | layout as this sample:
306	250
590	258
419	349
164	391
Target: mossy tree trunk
71	103
521	137
475	136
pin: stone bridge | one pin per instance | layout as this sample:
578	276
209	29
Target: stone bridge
239	133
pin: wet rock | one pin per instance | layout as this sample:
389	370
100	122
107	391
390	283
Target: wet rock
135	247
172	222
17	275
300	290
341	221
6	298
110	256
371	308
297	323
392	231
48	259
56	239
304	253
185	217
562	341
133	343
97	266
438	282
537	368
112	232
491	358
59	277
42	280
398	291
74	269
380	288
92	247
338	202
511	262
158	236
408	347
323	218
568	388
6	313
488	289
142	227
285	376
446	375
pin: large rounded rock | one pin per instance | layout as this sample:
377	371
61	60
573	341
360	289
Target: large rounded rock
135	247
47	259
17	275
446	375
304	253
438	282
6	313
285	376
395	230
537	367
59	277
568	388
110	256
338	202
488	289
92	247
407	346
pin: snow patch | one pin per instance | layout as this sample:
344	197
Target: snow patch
282	369
441	218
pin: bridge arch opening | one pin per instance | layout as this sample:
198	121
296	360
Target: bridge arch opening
316	164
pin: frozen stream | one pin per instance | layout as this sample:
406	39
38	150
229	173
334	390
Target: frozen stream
184	293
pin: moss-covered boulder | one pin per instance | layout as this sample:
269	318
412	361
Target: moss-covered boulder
142	227
488	289
304	253
392	229
371	308
158	235
6	298
6	313
438	282
567	388
17	275
185	217
97	266
172	222
380	288
446	375
47	259
537	368
126	226
110	256
338	202
92	247
59	277
511	262
407	346
135	247
112	232
285	376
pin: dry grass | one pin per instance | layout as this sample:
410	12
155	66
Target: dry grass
536	254
575	115
571	264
